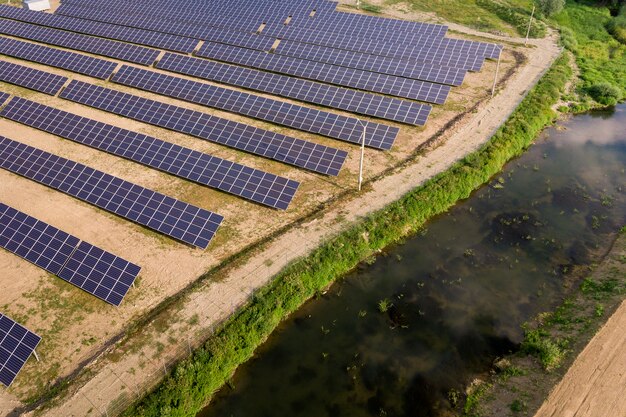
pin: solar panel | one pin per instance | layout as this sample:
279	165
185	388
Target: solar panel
401	68
347	77
454	52
100	273
91	269
71	61
204	31
252	184
308	155
175	23
98	46
417	49
26	77
251	16
353	101
17	343
126	34
156	211
39	243
291	115
4	97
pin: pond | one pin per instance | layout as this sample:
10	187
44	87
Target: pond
395	337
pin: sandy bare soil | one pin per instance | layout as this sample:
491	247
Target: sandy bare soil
594	386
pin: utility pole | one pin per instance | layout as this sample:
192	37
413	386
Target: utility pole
358	4
530	22
495	77
362	154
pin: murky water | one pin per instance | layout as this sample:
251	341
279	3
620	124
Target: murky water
457	293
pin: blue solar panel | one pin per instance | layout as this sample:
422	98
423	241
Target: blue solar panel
347	77
98	46
100	273
353	101
70	61
4	97
402	68
126	34
252	184
91	269
156	211
291	115
31	78
261	142
39	243
17	343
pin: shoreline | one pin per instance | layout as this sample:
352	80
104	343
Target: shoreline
587	325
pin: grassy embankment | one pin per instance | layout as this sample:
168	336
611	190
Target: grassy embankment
598	41
194	380
509	17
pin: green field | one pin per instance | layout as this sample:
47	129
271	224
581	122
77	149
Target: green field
509	17
600	57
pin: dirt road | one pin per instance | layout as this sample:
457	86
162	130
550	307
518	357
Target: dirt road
595	384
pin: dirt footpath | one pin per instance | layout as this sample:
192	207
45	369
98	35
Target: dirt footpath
595	384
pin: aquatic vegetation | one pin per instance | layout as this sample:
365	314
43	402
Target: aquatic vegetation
384	305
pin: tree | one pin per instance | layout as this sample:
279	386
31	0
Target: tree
550	7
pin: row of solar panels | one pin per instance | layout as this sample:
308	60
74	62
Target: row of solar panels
316	71
17	344
93	270
298	117
96	271
194	25
408	47
301	14
299	89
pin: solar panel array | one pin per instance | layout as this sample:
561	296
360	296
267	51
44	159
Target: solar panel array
98	46
126	34
71	61
291	115
26	77
308	155
402	68
83	265
156	211
347	77
17	343
384	42
252	184
354	101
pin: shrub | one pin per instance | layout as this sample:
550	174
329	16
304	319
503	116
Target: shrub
372	8
568	38
548	352
605	93
617	27
517	18
550	7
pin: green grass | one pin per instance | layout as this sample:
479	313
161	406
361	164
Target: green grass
194	380
478	14
600	57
